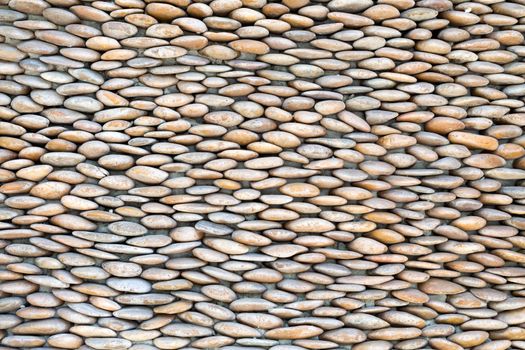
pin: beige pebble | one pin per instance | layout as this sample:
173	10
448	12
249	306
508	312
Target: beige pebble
263	175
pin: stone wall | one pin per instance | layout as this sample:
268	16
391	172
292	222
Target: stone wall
251	175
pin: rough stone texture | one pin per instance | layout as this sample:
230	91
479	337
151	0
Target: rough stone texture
259	174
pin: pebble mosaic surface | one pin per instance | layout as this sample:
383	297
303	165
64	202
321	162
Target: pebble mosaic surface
251	175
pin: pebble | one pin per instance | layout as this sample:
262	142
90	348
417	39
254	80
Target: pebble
294	332
245	174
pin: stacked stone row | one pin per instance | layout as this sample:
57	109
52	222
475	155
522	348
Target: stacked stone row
251	175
